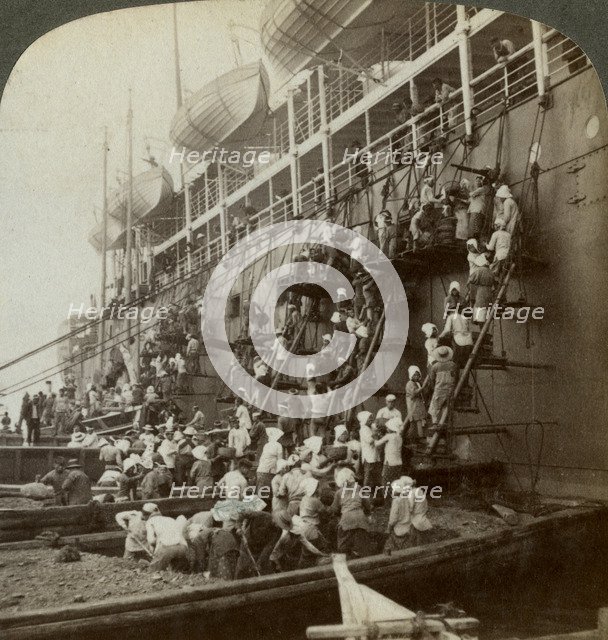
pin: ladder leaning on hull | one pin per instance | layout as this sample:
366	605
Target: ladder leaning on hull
292	349
447	412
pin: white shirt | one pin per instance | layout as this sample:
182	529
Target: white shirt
460	328
242	414
240	440
271	453
90	440
430	344
368	450
135	525
500	243
386	414
392	448
166	532
168	450
427	195
235	484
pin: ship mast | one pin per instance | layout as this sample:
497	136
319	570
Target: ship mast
184	184
129	248
104	244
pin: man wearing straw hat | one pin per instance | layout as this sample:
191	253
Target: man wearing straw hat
442	378
77	486
129	479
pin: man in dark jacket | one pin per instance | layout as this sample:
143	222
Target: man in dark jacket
33	432
76	487
26	413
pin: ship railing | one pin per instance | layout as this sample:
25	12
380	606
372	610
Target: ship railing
307	122
425	131
424	30
514	80
180	215
234	180
282	138
307	118
405	42
213	193
564	57
197	203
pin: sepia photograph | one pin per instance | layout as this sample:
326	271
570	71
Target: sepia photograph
301	328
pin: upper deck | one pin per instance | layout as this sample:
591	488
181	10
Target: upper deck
337	105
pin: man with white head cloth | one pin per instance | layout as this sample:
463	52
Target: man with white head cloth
372	465
416	410
271	454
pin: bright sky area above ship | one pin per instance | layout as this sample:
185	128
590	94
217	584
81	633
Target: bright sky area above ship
64	89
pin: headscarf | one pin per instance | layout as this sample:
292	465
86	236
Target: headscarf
273	434
454	285
363	417
339	430
504	192
427	329
150	508
314	443
412	370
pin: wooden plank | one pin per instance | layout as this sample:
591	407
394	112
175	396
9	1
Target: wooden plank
24	524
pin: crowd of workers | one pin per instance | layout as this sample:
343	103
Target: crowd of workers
306	474
282	505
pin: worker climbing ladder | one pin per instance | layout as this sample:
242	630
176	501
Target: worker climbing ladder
446	418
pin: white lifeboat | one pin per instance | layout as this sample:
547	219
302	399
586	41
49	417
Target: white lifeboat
152	195
228	110
296	33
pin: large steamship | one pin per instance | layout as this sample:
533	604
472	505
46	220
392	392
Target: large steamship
536	118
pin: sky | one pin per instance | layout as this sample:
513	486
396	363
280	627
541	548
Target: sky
63	91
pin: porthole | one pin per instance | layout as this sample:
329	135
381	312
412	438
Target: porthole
592	127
